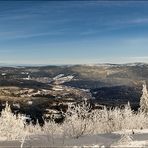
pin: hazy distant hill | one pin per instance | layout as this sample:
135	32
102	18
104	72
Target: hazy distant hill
106	80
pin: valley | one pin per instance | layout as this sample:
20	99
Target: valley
43	91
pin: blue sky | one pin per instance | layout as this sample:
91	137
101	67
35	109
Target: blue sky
74	32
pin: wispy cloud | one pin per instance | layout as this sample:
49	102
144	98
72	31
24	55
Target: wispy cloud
37	35
139	20
129	21
23	35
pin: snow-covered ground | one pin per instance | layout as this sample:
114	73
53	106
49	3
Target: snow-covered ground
139	139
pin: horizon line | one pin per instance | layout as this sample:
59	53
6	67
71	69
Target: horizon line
89	64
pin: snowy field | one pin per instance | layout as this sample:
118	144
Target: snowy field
139	139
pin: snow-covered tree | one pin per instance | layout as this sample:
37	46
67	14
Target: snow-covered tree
144	99
76	120
12	127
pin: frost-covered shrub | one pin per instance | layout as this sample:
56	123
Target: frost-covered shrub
110	120
76	120
11	127
79	120
52	130
33	129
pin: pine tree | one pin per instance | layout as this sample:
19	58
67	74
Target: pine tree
144	99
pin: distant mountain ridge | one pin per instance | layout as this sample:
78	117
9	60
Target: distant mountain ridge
103	80
91	64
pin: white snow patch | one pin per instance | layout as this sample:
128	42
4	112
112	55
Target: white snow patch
29	102
16	105
3	74
133	144
58	76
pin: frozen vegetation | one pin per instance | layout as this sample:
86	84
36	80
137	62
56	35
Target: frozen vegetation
81	124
